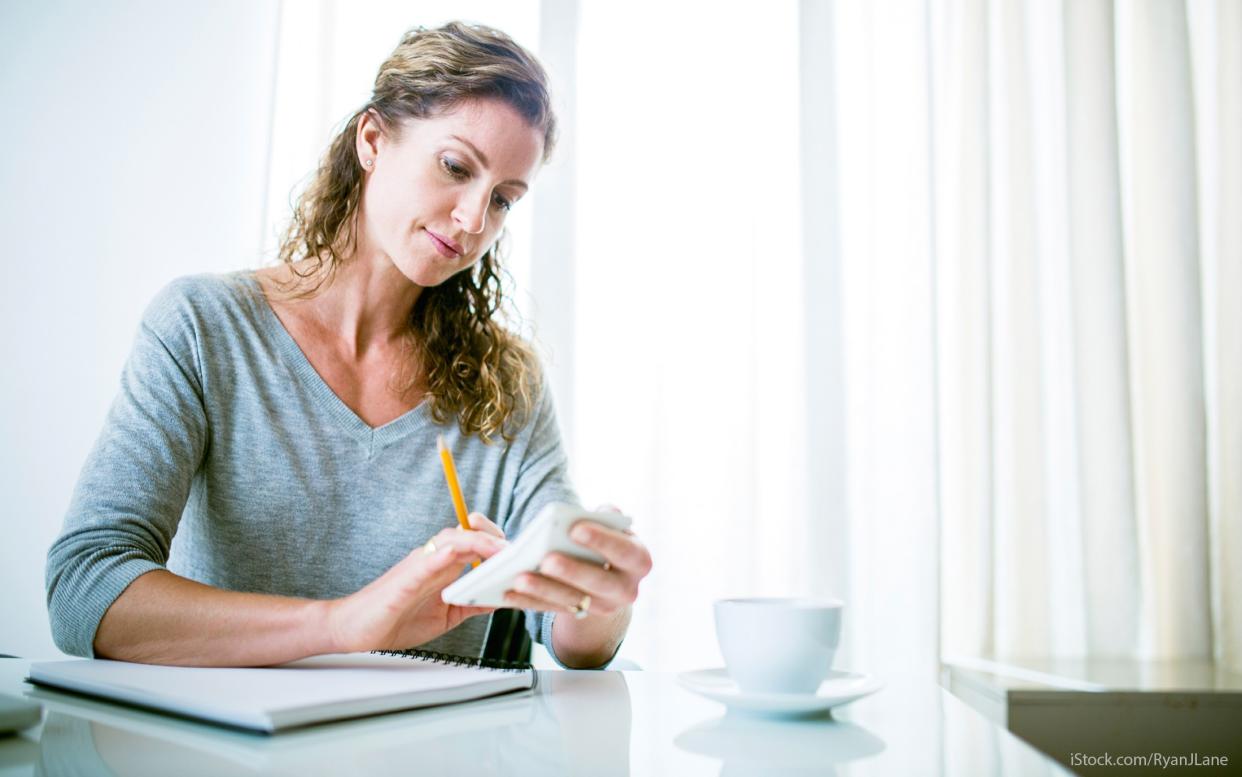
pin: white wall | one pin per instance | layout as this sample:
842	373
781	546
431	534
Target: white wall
133	150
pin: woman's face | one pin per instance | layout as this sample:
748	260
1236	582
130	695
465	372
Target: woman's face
435	198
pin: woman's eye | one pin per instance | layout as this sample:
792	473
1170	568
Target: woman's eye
459	172
453	169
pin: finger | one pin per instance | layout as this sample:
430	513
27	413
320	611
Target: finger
588	577
621	550
480	522
566	598
452	550
525	602
481	543
549	590
420	574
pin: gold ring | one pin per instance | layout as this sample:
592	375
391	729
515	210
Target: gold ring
583	606
429	548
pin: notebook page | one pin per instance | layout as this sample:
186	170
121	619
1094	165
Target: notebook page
253	694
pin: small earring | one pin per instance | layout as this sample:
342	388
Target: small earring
367	163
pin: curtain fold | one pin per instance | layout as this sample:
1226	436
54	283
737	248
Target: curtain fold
960	106
1165	328
1019	504
1222	168
1101	352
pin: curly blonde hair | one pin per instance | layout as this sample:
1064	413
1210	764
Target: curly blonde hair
472	366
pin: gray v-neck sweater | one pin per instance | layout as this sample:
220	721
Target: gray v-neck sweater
226	459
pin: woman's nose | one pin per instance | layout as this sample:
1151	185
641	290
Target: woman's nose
471	213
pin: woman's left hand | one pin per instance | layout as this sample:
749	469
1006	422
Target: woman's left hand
563	582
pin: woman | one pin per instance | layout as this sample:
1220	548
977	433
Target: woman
282	425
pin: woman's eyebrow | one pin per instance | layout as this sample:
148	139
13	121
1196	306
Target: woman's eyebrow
483	158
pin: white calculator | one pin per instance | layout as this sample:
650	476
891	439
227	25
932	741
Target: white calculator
486	584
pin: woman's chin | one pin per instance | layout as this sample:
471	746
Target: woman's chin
427	273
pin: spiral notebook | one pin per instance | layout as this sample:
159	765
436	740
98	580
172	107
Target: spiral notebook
312	690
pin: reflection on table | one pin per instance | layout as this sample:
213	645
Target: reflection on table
751	745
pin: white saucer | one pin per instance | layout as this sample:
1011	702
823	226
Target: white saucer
839	688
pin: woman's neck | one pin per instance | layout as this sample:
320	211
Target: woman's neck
363	305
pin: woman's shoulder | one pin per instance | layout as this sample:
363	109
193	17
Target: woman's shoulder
201	298
192	309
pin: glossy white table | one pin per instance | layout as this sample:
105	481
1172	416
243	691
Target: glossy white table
591	723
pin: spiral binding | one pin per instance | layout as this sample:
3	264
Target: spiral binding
453	660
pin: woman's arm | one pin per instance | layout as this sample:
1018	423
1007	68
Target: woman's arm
162	618
136	480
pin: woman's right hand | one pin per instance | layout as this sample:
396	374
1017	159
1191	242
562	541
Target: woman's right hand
402	608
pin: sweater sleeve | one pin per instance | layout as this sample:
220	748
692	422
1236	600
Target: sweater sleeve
543	475
136	480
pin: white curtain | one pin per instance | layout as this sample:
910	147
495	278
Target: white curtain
1088	368
926	304
1221	128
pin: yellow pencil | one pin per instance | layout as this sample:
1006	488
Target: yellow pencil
450	475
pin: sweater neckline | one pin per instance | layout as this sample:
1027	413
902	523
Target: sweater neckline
371	437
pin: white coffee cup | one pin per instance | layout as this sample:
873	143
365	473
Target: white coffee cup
775	645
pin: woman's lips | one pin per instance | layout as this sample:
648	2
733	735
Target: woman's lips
446	248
